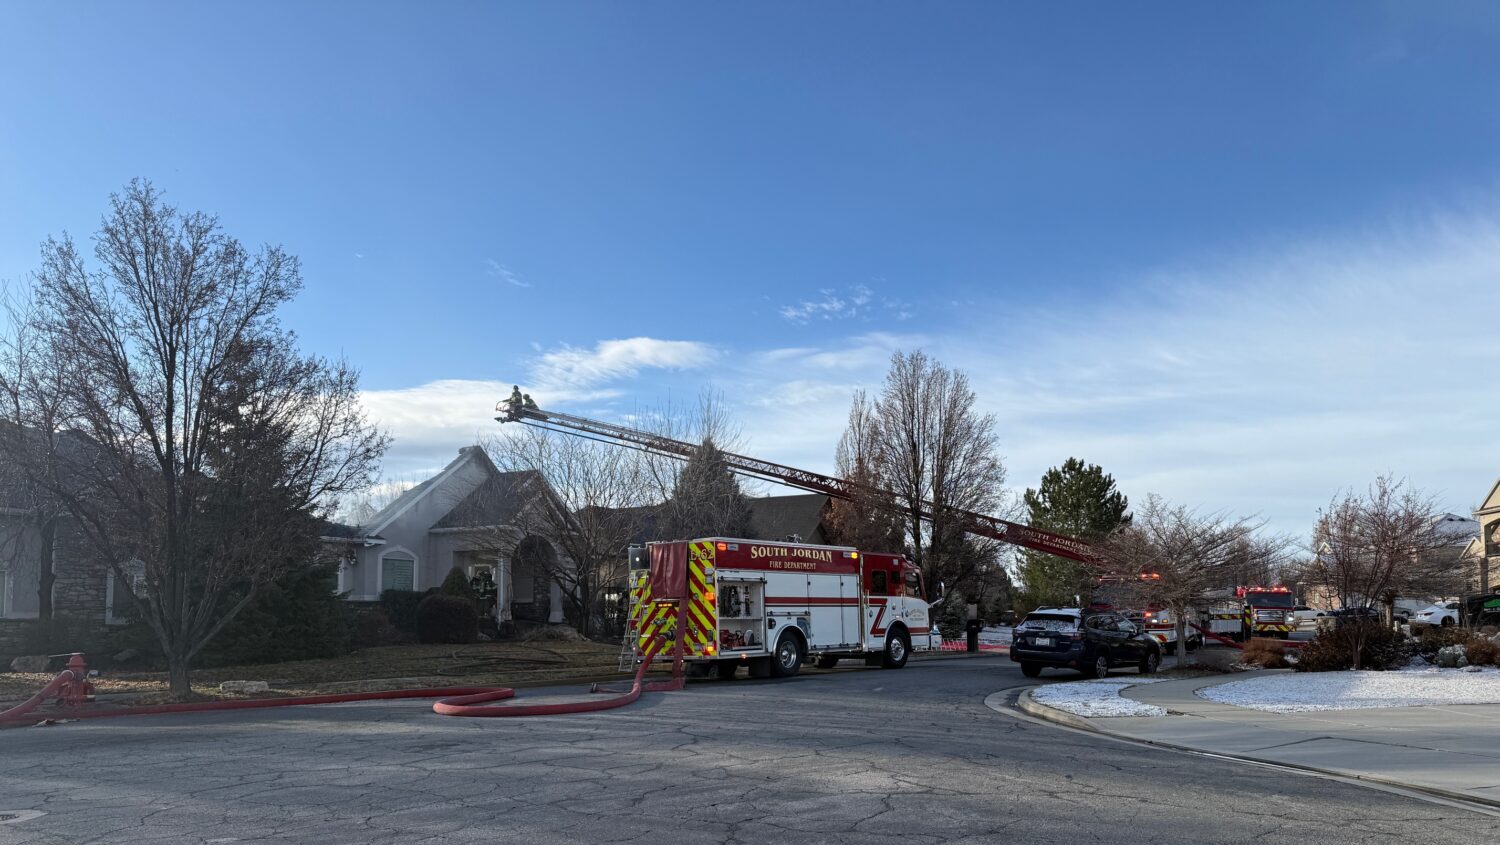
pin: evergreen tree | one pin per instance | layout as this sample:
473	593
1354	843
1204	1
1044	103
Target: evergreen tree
706	499
1077	499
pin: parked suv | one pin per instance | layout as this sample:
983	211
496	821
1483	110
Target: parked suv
1092	643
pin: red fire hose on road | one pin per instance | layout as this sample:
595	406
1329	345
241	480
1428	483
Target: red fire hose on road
73	691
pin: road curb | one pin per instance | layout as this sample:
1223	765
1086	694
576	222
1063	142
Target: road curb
1029	706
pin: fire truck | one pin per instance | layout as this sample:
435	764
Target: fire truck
1250	611
771	606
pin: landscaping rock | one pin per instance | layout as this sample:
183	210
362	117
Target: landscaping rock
30	663
244	686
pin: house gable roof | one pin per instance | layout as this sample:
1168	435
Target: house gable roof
403	503
777	517
1491	502
496	501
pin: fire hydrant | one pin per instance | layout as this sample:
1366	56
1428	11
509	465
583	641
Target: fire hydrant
77	690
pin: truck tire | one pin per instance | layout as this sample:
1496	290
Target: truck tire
726	669
897	650
786	661
826	662
1031	670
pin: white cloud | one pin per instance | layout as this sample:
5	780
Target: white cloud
505	274
570	368
430	422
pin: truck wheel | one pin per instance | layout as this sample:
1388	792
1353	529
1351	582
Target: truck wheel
1031	670
696	670
1171	649
897	649
726	669
1100	667
787	660
826	662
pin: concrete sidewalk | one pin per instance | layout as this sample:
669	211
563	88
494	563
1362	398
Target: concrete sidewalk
1451	750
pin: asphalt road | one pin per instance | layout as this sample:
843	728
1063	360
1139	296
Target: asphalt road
858	756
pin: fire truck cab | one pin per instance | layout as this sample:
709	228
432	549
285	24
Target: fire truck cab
771	606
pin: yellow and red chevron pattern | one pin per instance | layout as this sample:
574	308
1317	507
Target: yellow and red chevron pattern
702	611
1263	627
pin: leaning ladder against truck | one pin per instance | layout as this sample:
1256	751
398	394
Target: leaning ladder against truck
771	606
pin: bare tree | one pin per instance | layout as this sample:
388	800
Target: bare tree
591	499
872	519
1176	555
934	446
1370	548
175	419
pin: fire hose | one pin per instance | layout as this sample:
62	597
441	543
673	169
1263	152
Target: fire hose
73	691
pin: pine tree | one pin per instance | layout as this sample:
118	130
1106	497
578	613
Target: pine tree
1077	499
706	499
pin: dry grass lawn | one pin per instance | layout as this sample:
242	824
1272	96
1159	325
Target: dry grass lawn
389	667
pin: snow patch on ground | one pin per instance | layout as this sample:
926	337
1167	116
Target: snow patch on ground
1313	691
1096	698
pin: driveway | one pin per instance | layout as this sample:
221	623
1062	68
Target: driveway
862	756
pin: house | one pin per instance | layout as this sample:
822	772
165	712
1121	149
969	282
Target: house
803	516
469	515
43	561
1486	549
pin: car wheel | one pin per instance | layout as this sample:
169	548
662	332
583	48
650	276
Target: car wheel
897	649
1151	663
1447	622
787	661
1100	667
726	669
826	662
1031	670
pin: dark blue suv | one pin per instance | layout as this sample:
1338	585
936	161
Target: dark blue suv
1090	642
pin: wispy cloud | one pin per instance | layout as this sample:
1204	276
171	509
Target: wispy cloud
575	368
857	302
359	255
505	274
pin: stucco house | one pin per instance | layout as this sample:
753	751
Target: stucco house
469	515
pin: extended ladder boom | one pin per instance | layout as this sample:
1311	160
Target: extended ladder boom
974	523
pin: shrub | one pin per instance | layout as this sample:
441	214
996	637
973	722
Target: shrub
1482	652
1264	654
373	628
458	585
447	619
400	608
1434	639
1331	651
296	617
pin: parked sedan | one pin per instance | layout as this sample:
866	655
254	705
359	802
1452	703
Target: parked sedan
1438	615
1092	643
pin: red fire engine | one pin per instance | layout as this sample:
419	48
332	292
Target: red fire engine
1267	612
770	606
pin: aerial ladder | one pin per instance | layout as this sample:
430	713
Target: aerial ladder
983	525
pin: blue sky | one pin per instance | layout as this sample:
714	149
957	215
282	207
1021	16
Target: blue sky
1239	256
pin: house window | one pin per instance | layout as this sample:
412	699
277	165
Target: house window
119	608
398	571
